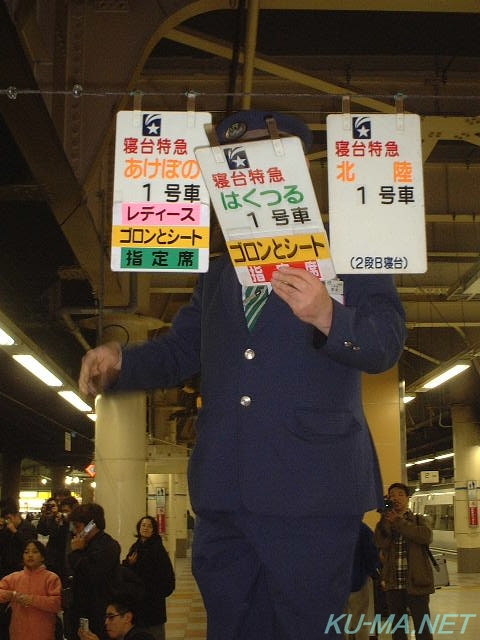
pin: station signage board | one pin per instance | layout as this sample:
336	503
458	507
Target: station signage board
264	200
375	192
161	212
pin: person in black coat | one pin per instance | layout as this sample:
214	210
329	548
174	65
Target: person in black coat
148	558
95	564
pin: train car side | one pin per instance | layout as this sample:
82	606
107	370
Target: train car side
438	505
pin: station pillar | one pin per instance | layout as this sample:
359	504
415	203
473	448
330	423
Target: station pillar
384	412
120	446
120	463
466	445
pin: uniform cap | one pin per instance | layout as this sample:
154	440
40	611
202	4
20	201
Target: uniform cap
251	125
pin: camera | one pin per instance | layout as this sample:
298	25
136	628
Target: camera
387	504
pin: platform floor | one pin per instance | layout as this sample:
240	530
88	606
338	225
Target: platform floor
452	604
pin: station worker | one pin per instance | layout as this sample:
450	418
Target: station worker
283	467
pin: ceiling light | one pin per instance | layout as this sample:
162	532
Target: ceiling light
444	371
34	366
408	398
92	416
445	455
446	375
424	461
76	401
5	339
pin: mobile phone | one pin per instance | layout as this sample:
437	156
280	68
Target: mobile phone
83	623
88	527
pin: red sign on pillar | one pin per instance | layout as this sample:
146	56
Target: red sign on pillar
161	510
472	503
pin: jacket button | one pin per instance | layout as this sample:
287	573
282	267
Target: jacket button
245	401
347	344
249	354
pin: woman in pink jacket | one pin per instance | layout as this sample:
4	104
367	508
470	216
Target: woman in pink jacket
34	595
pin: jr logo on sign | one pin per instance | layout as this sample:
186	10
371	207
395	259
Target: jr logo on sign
362	128
152	124
236	158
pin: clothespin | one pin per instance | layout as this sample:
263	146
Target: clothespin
191	96
214	142
399	109
346	110
275	136
137	107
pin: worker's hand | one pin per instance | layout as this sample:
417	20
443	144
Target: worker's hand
100	368
306	295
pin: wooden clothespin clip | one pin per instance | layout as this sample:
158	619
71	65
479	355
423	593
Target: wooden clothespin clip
347	112
137	106
275	136
214	143
399	109
191	97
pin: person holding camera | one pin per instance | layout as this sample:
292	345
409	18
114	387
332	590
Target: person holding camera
407	576
15	531
54	523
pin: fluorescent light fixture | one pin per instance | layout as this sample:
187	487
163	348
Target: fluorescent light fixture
74	400
92	416
424	461
34	366
5	339
444	455
408	398
446	375
409	464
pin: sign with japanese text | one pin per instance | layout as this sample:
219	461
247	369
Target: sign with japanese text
375	187
161	213
472	503
265	203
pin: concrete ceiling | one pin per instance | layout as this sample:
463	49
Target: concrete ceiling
301	57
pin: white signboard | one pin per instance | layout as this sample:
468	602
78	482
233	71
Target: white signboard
429	477
263	196
160	205
375	187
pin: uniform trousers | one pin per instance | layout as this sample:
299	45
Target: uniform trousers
273	578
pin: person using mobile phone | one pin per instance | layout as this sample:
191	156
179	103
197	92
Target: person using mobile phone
94	561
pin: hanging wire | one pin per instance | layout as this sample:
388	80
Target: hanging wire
78	91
